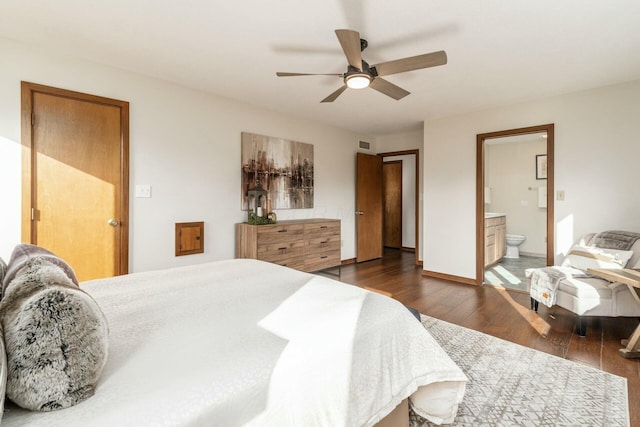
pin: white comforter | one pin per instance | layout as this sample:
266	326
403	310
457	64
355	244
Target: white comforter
247	343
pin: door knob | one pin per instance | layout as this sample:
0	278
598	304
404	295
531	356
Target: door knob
112	222
359	213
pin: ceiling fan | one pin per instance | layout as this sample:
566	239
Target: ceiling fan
360	74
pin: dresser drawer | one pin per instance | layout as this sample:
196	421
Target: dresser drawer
281	250
323	244
322	229
320	261
296	263
279	233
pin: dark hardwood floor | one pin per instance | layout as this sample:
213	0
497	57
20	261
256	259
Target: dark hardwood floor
504	314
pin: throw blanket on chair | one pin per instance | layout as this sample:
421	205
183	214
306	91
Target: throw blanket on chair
544	282
621	240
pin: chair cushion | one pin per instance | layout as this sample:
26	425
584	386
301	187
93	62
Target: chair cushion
584	257
586	288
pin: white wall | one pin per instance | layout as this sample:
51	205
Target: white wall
596	154
411	140
186	144
408	198
510	172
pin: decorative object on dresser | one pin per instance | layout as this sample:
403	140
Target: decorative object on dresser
306	245
276	174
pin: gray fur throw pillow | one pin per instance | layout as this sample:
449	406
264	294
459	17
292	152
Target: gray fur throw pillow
3	270
56	337
23	253
3	373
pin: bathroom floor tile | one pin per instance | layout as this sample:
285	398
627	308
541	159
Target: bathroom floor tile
509	272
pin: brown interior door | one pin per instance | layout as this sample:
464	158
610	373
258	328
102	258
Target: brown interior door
77	169
392	203
368	207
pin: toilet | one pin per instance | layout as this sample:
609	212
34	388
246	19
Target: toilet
513	241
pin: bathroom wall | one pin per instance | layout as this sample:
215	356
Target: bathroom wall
510	172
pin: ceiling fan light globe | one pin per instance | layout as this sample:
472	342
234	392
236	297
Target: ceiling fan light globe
357	81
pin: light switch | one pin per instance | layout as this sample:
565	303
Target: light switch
143	190
560	195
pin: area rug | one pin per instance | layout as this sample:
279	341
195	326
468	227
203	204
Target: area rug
512	385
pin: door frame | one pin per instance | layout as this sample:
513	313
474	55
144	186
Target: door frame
416	152
480	139
28	198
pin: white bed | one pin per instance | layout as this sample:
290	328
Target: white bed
248	343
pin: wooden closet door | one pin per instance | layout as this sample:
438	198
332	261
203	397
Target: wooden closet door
392	202
78	179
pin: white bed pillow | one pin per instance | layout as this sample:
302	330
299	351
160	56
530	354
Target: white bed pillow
584	257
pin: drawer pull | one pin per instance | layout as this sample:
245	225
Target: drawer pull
324	243
324	226
282	249
282	231
325	256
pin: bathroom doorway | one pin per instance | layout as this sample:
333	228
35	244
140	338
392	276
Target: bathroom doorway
514	205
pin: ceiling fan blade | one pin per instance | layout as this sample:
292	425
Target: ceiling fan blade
335	94
427	60
388	88
281	74
350	42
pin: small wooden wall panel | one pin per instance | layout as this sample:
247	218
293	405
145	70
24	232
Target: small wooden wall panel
189	238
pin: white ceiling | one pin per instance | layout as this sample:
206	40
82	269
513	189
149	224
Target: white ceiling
500	52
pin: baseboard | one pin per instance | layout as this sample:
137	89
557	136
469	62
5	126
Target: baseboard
419	262
533	254
406	249
450	277
348	261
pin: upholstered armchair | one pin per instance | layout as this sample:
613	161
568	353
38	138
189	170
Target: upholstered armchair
584	294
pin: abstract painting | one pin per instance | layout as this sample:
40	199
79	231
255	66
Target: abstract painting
276	173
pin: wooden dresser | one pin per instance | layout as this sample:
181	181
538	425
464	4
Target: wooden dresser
306	244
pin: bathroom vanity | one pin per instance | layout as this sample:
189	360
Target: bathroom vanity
495	237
